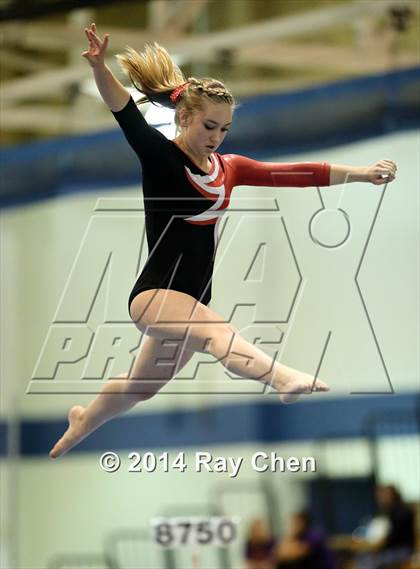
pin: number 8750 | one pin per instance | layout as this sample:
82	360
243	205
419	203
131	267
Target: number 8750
178	532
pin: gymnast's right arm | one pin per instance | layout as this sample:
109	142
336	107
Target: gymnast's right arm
115	95
143	139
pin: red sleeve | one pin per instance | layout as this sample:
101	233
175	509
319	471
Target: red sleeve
247	172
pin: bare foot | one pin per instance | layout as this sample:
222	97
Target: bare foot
294	383
75	433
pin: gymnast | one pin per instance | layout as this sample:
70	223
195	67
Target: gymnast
187	187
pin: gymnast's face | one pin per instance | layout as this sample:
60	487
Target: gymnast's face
205	130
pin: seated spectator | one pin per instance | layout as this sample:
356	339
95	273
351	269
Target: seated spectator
304	547
259	545
398	544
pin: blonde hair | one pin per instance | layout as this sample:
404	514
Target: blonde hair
154	73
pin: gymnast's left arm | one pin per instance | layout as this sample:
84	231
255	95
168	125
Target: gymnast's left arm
249	172
380	173
245	171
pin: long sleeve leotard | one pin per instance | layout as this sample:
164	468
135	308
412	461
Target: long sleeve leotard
183	204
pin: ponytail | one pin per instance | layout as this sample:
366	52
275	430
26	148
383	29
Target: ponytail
154	73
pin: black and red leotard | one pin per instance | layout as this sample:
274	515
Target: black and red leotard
183	204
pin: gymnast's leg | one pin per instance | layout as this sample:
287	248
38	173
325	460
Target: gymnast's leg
169	314
155	364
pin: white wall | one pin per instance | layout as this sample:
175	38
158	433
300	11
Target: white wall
70	504
43	243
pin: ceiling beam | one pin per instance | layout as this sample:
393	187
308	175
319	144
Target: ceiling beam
59	36
12	60
192	48
341	59
185	16
55	120
44	83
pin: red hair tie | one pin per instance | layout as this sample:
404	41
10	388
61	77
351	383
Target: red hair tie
178	91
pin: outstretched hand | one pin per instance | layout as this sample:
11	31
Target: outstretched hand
382	172
97	47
